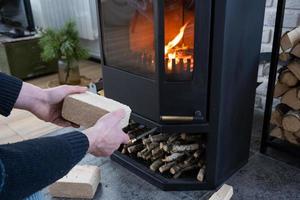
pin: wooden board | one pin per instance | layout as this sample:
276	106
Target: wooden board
80	182
87	108
224	193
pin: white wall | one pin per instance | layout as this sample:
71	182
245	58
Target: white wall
54	13
291	20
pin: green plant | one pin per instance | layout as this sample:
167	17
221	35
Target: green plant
62	44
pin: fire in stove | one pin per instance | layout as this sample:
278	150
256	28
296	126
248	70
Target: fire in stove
178	56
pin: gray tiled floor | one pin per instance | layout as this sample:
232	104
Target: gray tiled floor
263	178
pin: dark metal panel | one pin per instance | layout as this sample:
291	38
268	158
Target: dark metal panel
137	92
242	41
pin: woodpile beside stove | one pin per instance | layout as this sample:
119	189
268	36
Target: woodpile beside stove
173	155
286	116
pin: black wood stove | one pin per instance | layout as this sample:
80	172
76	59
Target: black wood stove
185	66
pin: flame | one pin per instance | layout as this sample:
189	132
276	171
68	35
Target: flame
176	52
176	40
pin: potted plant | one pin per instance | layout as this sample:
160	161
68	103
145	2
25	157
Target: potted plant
64	45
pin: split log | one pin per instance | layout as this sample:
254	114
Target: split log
80	183
146	141
285	57
291	121
288	78
296	51
158	138
177	168
156	164
86	109
184	148
290	98
152	146
297	134
189	168
190	138
172	139
141	153
167	166
155	150
190	160
290	39
147	155
278	113
159	154
277	133
135	148
290	137
280	89
124	150
198	153
172	157
294	67
162	144
201	173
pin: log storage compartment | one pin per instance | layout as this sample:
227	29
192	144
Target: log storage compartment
187	69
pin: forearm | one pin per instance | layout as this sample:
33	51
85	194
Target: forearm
32	165
30	97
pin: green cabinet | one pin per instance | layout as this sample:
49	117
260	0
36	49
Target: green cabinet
21	58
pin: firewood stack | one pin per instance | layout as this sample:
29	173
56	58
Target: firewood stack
169	154
286	116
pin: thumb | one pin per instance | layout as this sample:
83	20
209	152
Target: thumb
75	89
113	119
126	139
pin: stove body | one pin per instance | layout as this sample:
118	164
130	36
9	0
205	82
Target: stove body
185	66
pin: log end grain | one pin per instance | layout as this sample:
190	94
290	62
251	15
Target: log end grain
280	89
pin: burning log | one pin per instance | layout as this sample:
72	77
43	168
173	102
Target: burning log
185	148
173	157
156	164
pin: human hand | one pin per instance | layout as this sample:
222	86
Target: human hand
46	104
106	135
